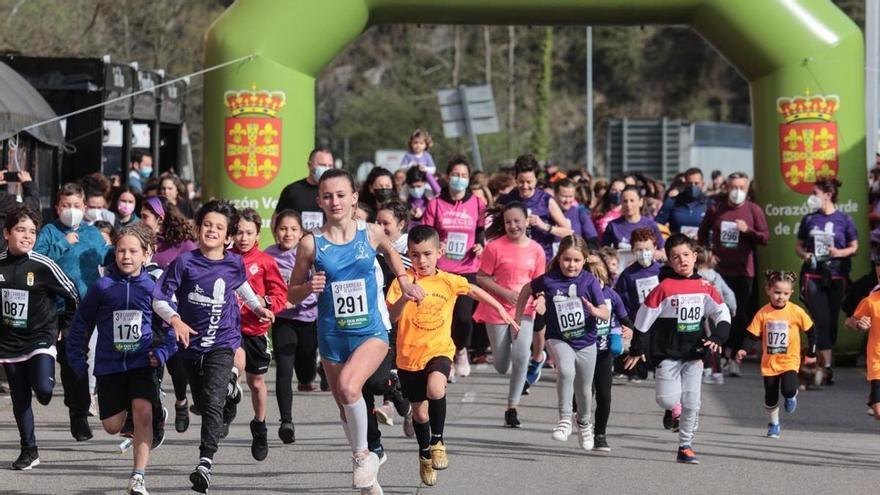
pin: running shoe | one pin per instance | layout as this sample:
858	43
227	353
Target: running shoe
462	364
829	376
733	369
667	419
181	417
159	430
194	410
306	387
136	486
385	413
380	453
676	418
718	378
80	429
533	374
408	429
287	432
601	444
233	388
451	378
773	430
427	472
365	467
325	385
201	477
480	359
27	459
439	459
93	405
790	404
259	442
562	430
707	376
686	455
373	490
526	388
510	419
585	436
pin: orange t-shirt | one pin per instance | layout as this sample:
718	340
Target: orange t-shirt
870	307
424	330
780	332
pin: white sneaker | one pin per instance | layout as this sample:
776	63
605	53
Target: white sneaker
374	489
462	364
733	368
707	377
585	436
707	372
718	378
451	378
93	405
562	430
385	414
136	486
365	467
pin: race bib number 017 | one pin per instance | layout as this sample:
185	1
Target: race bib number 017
689	313
15	307
456	245
350	303
127	330
571	318
777	337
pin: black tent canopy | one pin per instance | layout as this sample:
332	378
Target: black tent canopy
21	106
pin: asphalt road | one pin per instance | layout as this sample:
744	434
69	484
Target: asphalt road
828	446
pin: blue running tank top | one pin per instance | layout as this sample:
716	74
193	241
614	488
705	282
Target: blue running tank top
349	303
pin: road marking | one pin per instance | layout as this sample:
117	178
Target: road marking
469	396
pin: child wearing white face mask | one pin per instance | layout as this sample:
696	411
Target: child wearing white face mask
421	186
79	250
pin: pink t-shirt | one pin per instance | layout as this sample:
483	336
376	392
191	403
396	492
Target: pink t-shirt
457	224
512	266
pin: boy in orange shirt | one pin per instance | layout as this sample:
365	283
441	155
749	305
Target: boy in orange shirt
867	318
424	343
779	325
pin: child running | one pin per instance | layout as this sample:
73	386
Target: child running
671	322
205	282
508	263
29	285
424	343
779	325
125	356
253	356
352	337
574	304
867	318
294	334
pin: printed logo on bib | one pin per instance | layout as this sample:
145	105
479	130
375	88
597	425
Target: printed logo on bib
689	313
312	220
644	286
729	234
350	303
822	243
127	330
456	245
690	231
15	307
570	314
777	337
603	327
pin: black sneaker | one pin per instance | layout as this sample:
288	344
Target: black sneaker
194	410
667	419
181	417
159	430
526	387
259	444
287	432
229	412
600	443
510	419
28	459
233	388
201	477
80	429
829	376
325	385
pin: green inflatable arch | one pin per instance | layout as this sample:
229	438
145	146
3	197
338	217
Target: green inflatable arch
803	60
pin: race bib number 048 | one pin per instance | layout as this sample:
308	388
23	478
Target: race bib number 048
689	313
350	303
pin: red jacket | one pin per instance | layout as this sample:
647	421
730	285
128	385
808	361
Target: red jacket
265	278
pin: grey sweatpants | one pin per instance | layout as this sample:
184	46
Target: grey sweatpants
512	354
574	369
679	382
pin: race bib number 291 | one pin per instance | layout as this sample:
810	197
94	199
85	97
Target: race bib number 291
350	303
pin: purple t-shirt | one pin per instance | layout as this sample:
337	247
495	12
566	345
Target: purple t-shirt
635	283
538	205
618	232
410	159
307	310
567	316
580	222
618	313
206	299
166	253
819	232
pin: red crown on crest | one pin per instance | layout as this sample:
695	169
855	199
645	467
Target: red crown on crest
251	101
821	107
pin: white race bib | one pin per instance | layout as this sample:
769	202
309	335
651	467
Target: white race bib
350	303
571	318
15	307
822	243
312	220
690	231
729	234
456	245
689	313
127	329
603	327
644	286
777	336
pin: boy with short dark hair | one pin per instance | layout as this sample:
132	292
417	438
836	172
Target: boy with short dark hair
671	319
424	343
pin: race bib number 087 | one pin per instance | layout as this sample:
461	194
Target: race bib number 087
15	307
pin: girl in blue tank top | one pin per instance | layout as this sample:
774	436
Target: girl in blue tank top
352	338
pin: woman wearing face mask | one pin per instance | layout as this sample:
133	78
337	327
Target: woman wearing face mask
124	205
619	231
379	187
418	184
608	208
734	229
826	239
458	216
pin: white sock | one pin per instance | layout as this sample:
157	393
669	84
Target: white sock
356	419
773	414
347	432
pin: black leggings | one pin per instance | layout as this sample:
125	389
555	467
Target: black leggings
178	376
874	393
378	383
602	386
76	388
787	382
743	288
823	302
37	374
463	317
295	348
